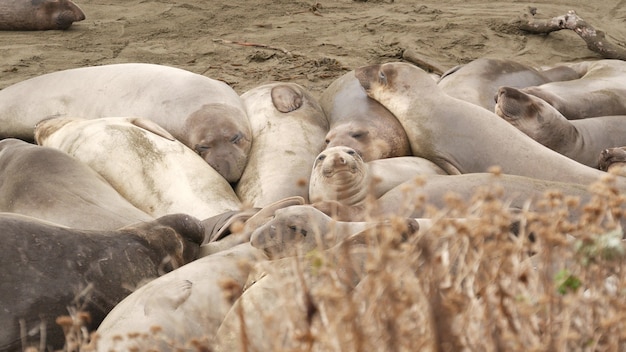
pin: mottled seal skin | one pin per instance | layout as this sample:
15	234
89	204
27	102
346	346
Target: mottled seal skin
186	304
288	129
205	114
461	137
600	91
48	269
34	15
48	184
361	123
581	140
478	81
144	163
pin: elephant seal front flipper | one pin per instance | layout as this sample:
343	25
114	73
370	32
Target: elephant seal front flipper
581	140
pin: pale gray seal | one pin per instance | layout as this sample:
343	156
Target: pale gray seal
48	184
180	308
288	129
154	172
581	140
205	114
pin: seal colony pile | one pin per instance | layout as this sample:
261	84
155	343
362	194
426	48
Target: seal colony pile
400	212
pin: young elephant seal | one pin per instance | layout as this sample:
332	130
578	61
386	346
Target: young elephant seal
288	129
477	81
48	184
36	15
461	137
581	140
361	123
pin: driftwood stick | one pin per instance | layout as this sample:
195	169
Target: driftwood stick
595	39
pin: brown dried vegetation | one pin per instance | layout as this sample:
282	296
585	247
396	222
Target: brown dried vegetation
482	278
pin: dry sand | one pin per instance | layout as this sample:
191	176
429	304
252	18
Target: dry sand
314	42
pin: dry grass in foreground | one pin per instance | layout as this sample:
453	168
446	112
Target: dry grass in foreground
460	285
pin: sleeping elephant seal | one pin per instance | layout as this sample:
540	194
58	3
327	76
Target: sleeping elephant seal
478	81
288	129
180	310
302	228
48	184
461	137
144	163
34	15
600	90
361	123
581	140
204	114
51	271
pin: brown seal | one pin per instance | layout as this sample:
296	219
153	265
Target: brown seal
461	137
613	160
478	81
48	184
32	15
361	123
581	140
48	270
600	90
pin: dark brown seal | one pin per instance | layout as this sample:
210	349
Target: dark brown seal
33	15
48	269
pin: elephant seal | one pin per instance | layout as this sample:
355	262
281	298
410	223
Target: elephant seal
288	129
478	81
154	172
461	137
361	123
581	140
302	228
51	271
180	307
340	174
600	91
613	160
38	15
48	184
204	114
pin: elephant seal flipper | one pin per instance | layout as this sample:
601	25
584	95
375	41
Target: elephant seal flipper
286	99
151	126
581	140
